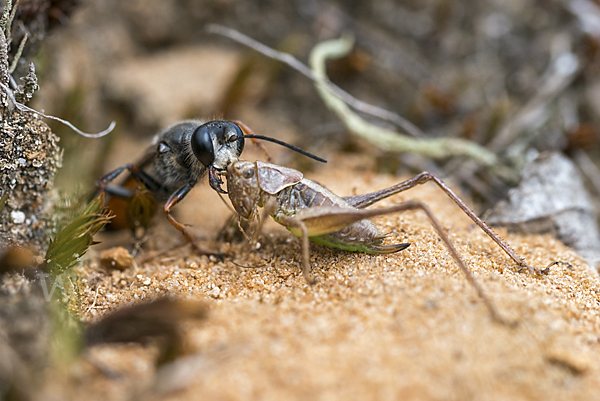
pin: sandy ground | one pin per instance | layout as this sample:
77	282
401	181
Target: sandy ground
401	326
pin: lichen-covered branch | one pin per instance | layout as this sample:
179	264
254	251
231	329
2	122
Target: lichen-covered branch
4	77
5	21
15	62
383	138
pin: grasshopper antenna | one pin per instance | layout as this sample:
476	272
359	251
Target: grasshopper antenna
287	145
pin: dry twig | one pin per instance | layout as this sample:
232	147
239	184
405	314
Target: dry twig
342	104
291	61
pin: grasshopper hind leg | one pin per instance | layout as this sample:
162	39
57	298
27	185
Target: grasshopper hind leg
350	216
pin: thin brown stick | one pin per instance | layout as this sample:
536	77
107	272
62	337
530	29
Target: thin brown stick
24	108
294	63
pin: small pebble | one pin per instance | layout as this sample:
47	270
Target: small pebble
18	217
116	258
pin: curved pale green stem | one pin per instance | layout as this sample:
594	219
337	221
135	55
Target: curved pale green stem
435	148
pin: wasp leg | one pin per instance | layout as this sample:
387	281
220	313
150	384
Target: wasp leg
362	201
317	219
174	199
150	183
119	192
102	182
138	205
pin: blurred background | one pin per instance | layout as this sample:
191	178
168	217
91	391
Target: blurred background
518	77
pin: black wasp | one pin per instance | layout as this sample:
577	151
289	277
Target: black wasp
180	155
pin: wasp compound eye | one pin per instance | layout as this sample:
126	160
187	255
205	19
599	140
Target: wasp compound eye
202	144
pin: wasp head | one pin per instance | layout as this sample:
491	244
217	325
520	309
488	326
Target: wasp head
216	145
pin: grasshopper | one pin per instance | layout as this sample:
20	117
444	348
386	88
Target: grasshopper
313	212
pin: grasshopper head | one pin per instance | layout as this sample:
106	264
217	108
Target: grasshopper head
243	188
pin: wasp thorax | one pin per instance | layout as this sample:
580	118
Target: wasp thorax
243	188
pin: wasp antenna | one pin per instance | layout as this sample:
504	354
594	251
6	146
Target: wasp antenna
287	145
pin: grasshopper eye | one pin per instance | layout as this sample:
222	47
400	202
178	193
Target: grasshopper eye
249	173
202	145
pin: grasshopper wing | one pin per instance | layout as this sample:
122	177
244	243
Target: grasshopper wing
273	178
